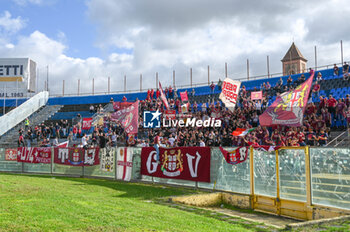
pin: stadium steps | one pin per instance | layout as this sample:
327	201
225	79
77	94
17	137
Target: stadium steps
38	117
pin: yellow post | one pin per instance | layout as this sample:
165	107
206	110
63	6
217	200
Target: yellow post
251	162
308	184
278	201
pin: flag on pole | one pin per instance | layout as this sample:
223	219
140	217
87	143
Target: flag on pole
242	132
163	97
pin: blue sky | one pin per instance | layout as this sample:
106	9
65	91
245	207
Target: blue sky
52	17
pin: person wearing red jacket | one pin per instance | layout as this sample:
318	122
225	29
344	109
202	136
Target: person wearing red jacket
332	103
157	93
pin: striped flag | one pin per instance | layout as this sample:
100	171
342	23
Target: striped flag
242	132
124	163
163	97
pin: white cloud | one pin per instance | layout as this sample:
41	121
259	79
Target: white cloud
9	25
164	36
26	2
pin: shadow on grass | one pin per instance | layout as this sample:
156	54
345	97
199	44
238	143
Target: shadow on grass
130	190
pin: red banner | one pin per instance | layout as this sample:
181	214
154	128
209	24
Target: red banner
288	108
256	95
121	105
86	123
186	163
236	156
163	97
184	96
128	117
11	155
76	156
170	114
34	155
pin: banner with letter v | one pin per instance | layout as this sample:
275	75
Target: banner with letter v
185	163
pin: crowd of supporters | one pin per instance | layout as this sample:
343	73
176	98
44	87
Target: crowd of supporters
319	120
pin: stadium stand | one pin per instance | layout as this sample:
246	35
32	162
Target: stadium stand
331	84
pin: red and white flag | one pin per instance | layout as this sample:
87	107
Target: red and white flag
229	93
124	163
163	97
87	123
63	145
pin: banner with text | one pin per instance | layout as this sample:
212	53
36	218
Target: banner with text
186	163
34	155
229	93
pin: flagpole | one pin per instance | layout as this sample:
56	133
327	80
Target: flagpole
4	110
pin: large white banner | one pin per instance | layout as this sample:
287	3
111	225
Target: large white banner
107	159
229	93
124	163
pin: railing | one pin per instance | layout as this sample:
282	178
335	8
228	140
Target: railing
295	182
337	140
272	75
20	113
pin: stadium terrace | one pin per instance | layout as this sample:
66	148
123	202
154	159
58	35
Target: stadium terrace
192	122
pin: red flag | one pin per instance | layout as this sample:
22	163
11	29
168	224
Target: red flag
63	145
288	108
128	117
184	96
86	123
238	155
256	95
163	97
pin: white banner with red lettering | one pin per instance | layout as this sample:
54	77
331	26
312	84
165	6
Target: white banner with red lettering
124	163
229	93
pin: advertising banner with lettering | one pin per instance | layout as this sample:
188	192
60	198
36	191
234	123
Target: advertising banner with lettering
11	154
86	123
34	155
185	163
229	93
76	156
288	108
128	117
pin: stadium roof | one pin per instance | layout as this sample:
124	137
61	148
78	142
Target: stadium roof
293	53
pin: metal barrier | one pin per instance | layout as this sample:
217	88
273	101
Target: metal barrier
305	183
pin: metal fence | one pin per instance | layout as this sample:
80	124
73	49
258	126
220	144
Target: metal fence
305	176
